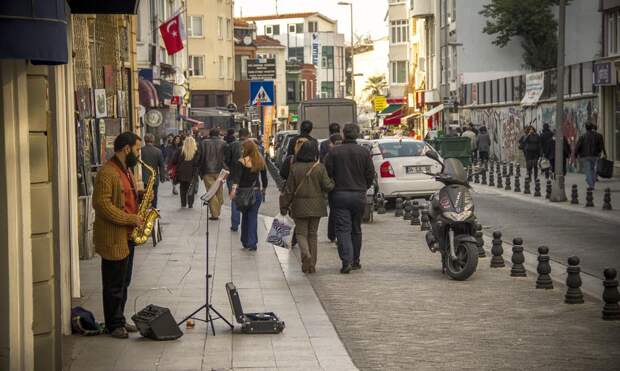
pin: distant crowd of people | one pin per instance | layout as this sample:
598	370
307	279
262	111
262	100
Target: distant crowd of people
539	149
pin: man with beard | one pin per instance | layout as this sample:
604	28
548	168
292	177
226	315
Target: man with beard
115	201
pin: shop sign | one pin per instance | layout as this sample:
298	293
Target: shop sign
534	86
380	103
604	74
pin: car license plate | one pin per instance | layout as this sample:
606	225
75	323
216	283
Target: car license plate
417	169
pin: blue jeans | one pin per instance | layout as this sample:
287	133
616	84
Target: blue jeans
589	168
235	216
249	224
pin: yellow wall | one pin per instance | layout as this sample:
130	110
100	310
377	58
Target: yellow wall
211	46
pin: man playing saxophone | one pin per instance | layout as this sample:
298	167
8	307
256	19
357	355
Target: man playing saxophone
115	201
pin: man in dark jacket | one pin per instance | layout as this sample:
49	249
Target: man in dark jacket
334	128
305	128
589	148
532	149
153	157
234	151
211	163
350	166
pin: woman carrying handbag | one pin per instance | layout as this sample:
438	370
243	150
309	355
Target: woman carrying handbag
305	196
246	191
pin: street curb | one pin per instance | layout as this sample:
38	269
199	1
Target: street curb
591	285
614	217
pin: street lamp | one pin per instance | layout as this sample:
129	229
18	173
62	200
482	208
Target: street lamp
558	194
350	5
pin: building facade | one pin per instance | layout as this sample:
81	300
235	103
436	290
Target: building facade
211	52
310	38
397	19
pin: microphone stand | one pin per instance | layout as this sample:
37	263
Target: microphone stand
208	307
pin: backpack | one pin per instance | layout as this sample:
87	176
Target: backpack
83	323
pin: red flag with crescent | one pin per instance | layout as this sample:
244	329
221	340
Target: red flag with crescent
171	33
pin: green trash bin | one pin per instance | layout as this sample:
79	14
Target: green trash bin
455	147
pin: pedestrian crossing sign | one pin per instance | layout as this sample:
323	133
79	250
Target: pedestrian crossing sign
261	93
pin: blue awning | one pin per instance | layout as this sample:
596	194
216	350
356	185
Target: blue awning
34	30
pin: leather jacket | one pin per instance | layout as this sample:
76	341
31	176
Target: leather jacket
212	156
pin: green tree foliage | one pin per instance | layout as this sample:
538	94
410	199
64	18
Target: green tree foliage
375	86
532	21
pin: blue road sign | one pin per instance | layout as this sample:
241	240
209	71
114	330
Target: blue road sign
261	93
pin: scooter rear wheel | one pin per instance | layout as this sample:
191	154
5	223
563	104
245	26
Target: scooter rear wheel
466	263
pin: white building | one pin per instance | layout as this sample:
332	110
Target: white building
371	60
397	18
309	38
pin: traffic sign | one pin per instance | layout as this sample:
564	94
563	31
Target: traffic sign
262	69
261	93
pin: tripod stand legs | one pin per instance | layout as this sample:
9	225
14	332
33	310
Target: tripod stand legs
209	317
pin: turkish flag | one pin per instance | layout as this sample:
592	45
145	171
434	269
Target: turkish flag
171	33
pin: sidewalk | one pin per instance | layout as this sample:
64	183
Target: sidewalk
571	178
172	275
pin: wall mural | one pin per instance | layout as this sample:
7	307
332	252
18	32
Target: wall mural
506	123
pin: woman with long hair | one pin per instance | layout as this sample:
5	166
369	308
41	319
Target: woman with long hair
249	183
186	163
304	195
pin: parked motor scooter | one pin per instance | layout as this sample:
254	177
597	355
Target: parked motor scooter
452	219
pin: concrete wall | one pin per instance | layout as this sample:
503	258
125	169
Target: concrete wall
583	31
506	123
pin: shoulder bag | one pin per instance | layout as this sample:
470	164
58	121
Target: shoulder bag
245	198
286	197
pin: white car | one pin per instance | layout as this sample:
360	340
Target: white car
400	164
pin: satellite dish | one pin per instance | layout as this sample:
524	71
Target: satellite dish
154	118
247	40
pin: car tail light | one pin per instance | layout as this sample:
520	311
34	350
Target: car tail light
386	170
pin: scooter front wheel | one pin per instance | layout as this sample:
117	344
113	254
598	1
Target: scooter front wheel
465	263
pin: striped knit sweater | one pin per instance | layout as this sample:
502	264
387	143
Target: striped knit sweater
112	224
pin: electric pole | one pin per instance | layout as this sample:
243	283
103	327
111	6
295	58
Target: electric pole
558	194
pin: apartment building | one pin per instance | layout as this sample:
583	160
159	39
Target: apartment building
397	19
211	52
310	38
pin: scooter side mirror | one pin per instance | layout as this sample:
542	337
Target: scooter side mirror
433	155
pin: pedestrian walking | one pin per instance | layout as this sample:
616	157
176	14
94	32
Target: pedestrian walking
115	201
234	151
350	165
334	140
334	129
212	153
249	180
547	144
532	149
483	143
153	157
469	133
305	129
171	153
186	162
589	148
304	194
290	159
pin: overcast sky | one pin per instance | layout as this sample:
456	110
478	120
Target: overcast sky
368	15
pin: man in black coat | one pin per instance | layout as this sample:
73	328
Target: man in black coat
532	148
153	157
212	151
351	167
233	153
589	148
334	128
305	128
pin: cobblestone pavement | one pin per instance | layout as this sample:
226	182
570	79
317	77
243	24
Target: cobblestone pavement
400	312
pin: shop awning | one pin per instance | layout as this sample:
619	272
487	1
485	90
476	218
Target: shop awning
389	110
104	6
435	110
148	94
404	119
193	121
34	30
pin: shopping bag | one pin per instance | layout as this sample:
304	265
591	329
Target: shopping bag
605	168
281	232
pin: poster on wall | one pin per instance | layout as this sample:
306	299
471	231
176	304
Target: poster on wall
101	106
534	86
122	103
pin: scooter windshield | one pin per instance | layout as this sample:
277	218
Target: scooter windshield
454	168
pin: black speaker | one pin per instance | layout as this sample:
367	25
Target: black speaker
156	323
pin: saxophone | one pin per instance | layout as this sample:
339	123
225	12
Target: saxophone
149	215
